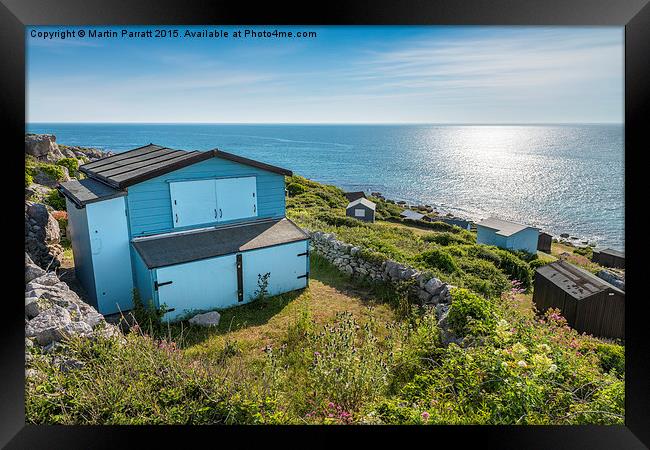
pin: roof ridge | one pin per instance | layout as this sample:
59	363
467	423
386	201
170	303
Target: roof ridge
173	152
120	154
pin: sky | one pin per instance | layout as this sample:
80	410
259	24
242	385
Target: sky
365	74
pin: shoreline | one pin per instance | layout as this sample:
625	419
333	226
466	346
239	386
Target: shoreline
565	237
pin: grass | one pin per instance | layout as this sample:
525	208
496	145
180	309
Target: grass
253	326
345	351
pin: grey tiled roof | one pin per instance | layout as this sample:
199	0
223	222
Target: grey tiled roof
85	191
143	163
167	250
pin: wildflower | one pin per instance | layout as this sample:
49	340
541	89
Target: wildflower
552	368
316	353
522	364
425	416
331	405
519	348
543	348
504	365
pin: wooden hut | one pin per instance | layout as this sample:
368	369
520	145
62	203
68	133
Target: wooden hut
609	258
589	304
544	242
362	209
192	230
508	235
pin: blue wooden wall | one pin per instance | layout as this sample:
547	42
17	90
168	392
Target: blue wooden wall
524	240
149	203
111	255
83	258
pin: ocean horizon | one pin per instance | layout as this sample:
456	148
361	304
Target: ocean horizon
563	178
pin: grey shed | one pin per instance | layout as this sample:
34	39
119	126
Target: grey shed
361	209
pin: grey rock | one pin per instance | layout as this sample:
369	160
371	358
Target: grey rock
433	286
43	147
612	278
209	319
48	326
34	306
423	296
32	271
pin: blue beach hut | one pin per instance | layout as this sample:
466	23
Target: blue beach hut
508	235
192	230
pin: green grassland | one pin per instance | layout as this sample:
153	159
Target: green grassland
345	351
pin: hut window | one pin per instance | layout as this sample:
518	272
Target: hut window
359	213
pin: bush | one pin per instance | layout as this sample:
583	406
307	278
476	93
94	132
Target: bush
587	252
516	268
296	189
487	280
439	259
470	314
55	200
146	315
53	171
534	264
612	358
71	164
28	179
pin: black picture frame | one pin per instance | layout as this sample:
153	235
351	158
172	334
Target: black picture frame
633	14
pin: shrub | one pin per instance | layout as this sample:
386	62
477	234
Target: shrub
296	189
55	200
146	315
71	164
471	314
587	252
28	179
487	280
516	268
53	171
439	259
534	264
612	357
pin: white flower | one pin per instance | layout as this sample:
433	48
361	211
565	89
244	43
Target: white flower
552	368
522	364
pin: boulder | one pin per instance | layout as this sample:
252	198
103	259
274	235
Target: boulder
209	319
32	271
42	147
433	286
49	325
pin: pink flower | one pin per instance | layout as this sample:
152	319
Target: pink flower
425	416
331	405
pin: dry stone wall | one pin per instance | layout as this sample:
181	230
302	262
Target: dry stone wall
348	258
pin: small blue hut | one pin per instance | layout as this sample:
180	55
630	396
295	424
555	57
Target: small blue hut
508	235
192	230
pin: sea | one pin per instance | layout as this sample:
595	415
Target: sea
561	178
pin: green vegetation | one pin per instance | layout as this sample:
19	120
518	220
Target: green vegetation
345	351
71	164
448	251
55	200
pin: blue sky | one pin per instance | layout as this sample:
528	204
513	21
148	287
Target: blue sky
434	74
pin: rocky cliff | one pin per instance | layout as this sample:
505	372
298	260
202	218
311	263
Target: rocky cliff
53	312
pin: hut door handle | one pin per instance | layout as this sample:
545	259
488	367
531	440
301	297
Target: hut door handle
254	208
215	213
176	214
220	213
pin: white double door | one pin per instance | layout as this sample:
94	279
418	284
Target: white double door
198	202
